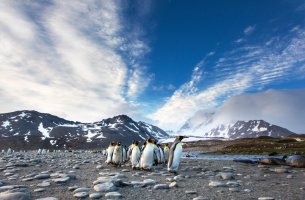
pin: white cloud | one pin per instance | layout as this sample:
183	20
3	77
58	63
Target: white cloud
243	69
66	57
285	108
249	29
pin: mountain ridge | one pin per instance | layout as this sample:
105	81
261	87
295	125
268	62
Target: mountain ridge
29	129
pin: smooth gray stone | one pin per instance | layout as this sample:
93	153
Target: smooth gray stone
234	189
200	198
42	176
11	187
161	186
40	190
44	184
217	184
226	175
81	194
266	198
233	184
82	189
190	192
149	182
105	187
48	198
15	196
173	184
114	195
61	180
95	195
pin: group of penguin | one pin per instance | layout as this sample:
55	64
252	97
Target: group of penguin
147	156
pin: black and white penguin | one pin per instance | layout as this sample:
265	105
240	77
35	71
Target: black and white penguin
166	152
175	154
147	157
109	153
135	155
117	157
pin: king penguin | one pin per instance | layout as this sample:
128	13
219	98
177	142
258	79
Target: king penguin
117	157
135	155
147	157
109	153
175	154
166	152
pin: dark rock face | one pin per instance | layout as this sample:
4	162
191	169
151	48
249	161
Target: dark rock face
32	130
248	129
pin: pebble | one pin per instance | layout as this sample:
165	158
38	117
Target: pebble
200	198
280	170
113	195
149	182
40	190
82	189
42	176
61	180
48	198
190	192
81	194
44	184
95	195
72	188
226	175
266	198
247	190
105	187
161	186
235	189
217	184
14	196
173	184
289	176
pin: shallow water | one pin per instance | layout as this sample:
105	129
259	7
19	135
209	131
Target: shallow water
227	157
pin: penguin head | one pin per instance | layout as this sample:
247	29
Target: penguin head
136	143
180	137
118	144
112	143
150	140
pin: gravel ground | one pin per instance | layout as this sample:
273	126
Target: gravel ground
235	180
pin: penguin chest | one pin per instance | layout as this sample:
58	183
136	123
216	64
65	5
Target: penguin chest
177	155
147	156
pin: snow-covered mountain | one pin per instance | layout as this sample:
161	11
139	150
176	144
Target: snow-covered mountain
31	129
248	129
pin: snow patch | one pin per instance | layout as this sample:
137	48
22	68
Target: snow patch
5	124
26	138
52	142
22	115
44	131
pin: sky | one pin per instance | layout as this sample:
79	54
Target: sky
159	61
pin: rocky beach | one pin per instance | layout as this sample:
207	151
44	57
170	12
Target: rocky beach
84	175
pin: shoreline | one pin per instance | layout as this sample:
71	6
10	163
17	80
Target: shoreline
195	178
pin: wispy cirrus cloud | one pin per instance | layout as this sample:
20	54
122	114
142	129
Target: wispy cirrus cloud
246	68
63	56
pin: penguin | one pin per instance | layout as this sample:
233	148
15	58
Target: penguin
135	155
109	153
175	154
156	153
124	154
117	157
147	157
161	154
166	152
129	151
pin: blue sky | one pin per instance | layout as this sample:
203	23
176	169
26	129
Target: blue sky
157	61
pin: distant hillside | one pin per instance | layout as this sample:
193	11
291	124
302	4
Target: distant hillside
32	130
248	129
